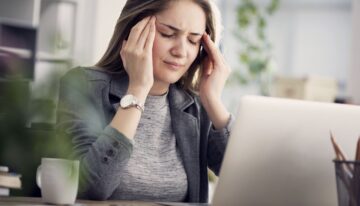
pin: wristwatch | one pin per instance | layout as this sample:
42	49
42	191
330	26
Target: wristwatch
130	100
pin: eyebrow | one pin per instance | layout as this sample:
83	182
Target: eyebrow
177	29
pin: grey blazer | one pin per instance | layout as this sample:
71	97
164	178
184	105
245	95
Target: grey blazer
87	103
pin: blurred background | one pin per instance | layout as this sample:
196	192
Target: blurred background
302	49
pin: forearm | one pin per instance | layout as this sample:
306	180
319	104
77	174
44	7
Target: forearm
218	135
126	120
102	163
103	152
217	113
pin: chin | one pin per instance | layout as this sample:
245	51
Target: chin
167	76
168	79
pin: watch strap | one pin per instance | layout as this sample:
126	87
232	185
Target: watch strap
139	107
134	102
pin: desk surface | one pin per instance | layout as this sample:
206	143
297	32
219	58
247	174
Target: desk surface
38	202
35	201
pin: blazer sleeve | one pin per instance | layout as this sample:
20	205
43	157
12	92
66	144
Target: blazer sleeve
102	151
217	141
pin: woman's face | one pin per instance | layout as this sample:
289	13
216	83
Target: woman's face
179	30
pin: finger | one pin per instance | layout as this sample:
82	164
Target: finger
122	53
151	36
210	69
207	66
136	32
144	35
211	49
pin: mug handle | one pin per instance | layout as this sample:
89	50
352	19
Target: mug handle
38	176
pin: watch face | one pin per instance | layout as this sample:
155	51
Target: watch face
126	101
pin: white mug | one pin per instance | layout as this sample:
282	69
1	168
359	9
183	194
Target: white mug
58	180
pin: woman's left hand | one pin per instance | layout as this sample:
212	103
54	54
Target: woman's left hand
215	73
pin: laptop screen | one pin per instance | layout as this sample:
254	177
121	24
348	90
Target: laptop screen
280	152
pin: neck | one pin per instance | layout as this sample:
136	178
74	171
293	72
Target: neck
159	88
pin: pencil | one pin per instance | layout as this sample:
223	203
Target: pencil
357	156
356	179
339	153
335	147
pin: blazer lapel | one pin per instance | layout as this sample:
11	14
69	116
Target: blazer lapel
185	127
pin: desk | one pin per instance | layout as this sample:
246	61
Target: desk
36	201
23	201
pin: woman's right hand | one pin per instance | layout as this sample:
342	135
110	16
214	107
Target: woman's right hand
136	55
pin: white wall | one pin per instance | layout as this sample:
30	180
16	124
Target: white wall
309	37
107	12
312	41
84	36
354	74
95	25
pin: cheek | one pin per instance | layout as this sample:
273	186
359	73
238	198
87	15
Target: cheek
159	49
156	49
193	54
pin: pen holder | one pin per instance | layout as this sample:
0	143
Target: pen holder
348	182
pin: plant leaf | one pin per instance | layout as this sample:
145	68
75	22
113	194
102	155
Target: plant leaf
273	6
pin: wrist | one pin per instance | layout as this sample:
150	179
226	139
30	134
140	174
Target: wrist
139	92
129	101
218	113
210	103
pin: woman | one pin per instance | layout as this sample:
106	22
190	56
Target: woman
158	142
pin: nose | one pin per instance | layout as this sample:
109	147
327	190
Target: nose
179	48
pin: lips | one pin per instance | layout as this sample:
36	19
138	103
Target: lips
174	65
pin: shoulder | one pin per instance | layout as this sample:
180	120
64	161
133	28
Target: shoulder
90	74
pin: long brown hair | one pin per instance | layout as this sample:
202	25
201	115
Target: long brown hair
132	13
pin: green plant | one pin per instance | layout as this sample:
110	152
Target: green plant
255	53
22	146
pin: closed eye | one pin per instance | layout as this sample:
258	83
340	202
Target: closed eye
193	42
167	35
172	35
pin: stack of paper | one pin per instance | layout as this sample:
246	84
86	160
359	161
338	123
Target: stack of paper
8	180
314	88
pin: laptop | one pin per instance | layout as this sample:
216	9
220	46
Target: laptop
280	153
